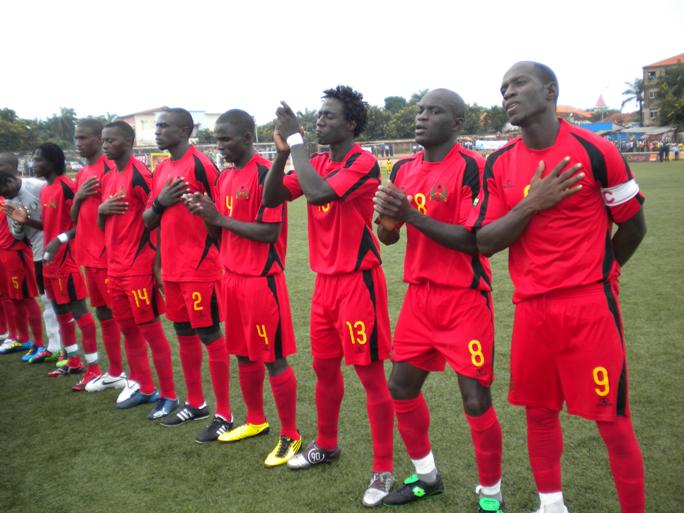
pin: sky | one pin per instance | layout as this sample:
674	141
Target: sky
124	56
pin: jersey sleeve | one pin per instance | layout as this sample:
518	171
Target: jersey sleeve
358	177
291	183
270	215
142	184
470	188
619	188
155	186
490	204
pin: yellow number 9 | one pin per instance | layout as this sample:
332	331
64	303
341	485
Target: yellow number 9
601	379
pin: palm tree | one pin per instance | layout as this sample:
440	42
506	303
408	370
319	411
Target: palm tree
635	92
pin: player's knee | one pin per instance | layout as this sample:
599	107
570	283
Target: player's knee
78	308
402	390
210	334
278	366
103	313
183	329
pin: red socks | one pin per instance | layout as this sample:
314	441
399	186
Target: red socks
35	320
413	421
190	349
10	317
329	394
284	388
111	337
136	353
161	356
485	432
21	316
252	387
86	324
219	368
626	463
3	318
545	448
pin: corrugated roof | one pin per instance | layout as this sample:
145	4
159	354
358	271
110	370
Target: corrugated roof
667	62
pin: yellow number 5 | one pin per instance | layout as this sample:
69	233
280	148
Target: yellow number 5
357	332
15	282
601	379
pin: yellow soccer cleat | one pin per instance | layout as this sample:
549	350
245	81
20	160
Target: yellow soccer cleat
285	449
246	430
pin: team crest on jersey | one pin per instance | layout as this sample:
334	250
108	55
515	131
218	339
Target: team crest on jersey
438	192
50	204
242	193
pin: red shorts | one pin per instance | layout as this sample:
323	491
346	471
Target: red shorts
349	317
258	319
193	302
568	346
18	275
66	289
135	296
439	324
96	279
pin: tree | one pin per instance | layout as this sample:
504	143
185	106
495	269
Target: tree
265	132
15	133
205	136
394	104
401	124
634	92
377	123
671	96
416	97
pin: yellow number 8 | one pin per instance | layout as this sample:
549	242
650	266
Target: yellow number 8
476	355
601	379
419	200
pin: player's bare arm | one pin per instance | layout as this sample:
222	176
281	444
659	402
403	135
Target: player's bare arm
88	188
201	205
275	193
544	193
316	190
628	236
390	201
170	194
21	216
114	206
53	246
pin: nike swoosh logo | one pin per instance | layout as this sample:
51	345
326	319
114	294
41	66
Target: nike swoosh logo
110	382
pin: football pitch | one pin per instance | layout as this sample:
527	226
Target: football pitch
66	452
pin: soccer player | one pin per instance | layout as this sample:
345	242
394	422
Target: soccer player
24	214
190	270
63	280
256	304
551	196
349	316
447	313
89	247
134	294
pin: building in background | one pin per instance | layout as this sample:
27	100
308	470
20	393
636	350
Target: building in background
651	74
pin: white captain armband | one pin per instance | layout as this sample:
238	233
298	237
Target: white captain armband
63	238
619	194
295	139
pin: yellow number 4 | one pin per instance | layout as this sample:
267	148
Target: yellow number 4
357	332
601	379
261	331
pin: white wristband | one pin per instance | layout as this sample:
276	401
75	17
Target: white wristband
63	237
295	139
47	255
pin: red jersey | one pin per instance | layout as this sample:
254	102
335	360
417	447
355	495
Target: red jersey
188	253
89	245
55	201
131	247
341	238
445	191
238	196
568	245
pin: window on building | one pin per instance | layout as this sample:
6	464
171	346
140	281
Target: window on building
651	75
651	94
652	114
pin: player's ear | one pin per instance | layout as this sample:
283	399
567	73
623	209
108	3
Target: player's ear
458	123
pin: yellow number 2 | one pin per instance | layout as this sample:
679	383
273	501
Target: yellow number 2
197	298
601	379
357	332
476	355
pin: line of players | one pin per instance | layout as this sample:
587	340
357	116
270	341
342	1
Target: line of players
219	239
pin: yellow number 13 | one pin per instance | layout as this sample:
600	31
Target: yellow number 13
357	332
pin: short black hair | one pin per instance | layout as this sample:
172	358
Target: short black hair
239	119
5	177
124	129
95	125
546	75
185	118
53	154
355	109
10	159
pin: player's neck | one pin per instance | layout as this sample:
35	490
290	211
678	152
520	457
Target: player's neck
245	159
50	178
122	161
438	152
92	160
177	152
339	150
541	133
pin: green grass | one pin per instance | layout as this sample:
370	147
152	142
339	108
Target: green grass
64	452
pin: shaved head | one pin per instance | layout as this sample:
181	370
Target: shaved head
239	119
541	71
450	100
181	118
92	125
123	129
9	163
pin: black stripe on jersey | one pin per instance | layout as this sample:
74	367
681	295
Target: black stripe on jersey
488	174
144	240
155	306
366	245
621	401
471	175
66	191
214	308
368	281
65	255
278	347
598	163
208	243
71	288
273	258
628	170
201	174
107	169
139	181
397	165
373	173
262	171
24	282
478	272
608	255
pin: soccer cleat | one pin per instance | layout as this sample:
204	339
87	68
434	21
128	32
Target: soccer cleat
246	430
413	490
65	371
62	359
378	488
130	387
3	336
137	399
312	455
41	356
163	408
283	452
185	414
12	346
31	353
106	381
556	507
89	376
210	433
488	503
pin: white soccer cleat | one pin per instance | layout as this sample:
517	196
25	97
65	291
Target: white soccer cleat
106	381
556	507
130	387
